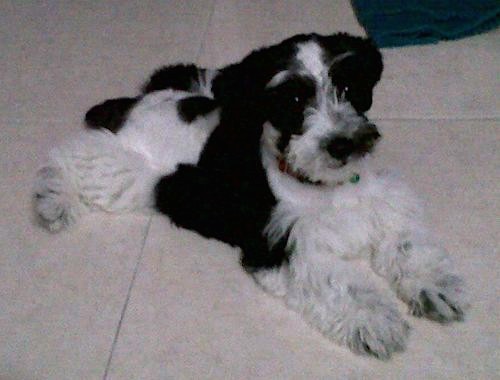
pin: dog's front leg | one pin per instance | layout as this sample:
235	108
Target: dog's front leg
340	302
419	270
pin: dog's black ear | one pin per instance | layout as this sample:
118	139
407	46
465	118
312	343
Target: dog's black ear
365	60
358	68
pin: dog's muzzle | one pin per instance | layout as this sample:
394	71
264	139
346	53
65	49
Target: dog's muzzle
343	148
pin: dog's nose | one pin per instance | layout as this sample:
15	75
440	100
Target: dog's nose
362	142
340	148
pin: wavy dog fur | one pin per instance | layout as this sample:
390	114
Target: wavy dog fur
271	154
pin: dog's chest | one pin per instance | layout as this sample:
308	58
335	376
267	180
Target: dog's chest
342	221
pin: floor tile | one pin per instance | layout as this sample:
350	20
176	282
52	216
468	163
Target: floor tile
59	57
450	80
237	27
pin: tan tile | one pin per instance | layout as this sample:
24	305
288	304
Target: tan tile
59	59
237	27
62	296
454	165
450	80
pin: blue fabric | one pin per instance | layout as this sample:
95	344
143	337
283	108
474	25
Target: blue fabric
392	23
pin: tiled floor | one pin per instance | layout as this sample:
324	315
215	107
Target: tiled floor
131	297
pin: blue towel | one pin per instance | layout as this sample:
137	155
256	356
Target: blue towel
411	22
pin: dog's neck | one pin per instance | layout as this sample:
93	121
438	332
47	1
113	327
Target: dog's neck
286	169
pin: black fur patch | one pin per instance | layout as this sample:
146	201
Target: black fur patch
359	72
285	104
177	77
191	108
110	114
226	196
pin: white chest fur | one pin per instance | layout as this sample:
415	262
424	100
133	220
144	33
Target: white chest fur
346	221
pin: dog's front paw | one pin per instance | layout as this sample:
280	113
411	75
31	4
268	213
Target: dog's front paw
379	339
443	300
377	329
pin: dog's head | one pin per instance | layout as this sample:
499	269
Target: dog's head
313	91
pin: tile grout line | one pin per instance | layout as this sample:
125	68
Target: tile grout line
475	119
205	34
127	298
136	269
481	119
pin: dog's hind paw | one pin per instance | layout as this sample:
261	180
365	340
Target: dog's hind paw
52	202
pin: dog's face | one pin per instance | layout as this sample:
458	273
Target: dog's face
314	110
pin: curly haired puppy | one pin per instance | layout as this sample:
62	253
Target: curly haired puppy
271	154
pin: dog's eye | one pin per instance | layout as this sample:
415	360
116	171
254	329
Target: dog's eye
296	99
342	91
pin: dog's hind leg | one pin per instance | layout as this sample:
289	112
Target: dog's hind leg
91	172
112	113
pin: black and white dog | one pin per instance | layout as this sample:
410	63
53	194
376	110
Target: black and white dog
272	155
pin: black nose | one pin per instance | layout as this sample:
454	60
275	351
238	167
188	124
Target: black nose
362	142
340	148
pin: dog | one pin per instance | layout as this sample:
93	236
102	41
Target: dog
273	155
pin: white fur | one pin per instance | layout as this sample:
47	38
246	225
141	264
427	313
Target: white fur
116	173
203	85
310	56
332	226
329	228
327	119
278	78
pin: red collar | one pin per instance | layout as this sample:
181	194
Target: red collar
285	168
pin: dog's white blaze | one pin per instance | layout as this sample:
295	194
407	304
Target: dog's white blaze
310	55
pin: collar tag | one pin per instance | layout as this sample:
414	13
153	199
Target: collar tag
354	178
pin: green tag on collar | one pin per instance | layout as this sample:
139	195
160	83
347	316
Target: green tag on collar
354	178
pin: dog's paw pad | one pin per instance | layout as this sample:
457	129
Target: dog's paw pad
51	204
